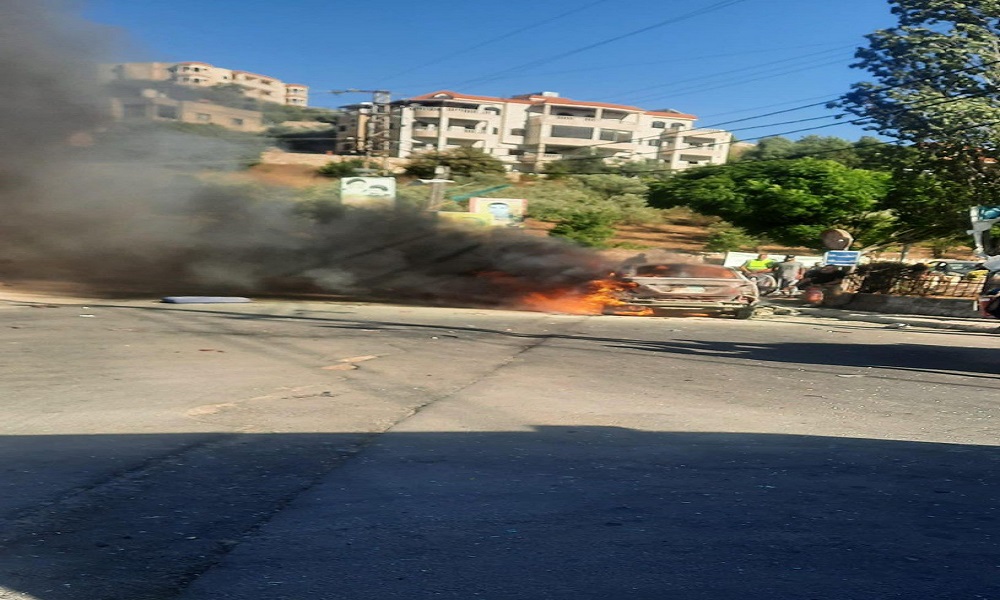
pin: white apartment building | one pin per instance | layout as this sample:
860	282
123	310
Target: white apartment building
200	74
527	131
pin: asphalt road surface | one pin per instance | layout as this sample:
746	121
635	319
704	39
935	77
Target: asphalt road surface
295	450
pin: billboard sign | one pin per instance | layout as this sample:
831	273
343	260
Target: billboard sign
368	192
506	212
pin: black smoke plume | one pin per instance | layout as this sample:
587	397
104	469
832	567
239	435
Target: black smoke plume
117	215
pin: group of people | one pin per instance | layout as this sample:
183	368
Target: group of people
789	274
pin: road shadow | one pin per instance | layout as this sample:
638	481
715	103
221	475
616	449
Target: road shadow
970	362
551	512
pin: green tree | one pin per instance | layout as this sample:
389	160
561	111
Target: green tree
790	201
810	146
585	162
462	161
622	197
935	88
769	148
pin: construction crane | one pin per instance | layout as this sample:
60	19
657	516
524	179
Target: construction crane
375	138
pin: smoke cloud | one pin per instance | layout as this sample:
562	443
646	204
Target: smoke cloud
118	215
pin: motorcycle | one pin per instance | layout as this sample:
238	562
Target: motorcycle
766	282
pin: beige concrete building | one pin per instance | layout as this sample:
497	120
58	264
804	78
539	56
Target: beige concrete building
200	74
153	107
528	131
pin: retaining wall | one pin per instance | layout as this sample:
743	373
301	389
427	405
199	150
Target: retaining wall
912	305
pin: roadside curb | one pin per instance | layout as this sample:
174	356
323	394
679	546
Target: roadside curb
968	325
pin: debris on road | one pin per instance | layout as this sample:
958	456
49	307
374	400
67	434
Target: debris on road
355	359
341	367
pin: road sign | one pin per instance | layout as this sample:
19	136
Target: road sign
842	258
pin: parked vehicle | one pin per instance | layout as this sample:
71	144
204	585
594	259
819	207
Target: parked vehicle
689	287
961	268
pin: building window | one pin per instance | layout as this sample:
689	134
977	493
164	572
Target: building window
518	131
133	111
613	135
236	122
166	112
203	117
654	142
579	133
659	125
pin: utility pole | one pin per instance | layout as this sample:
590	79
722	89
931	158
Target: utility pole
377	138
441	174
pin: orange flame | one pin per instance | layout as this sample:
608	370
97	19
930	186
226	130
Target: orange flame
595	298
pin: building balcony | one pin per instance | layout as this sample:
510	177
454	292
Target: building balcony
539	157
433	112
701	153
466	133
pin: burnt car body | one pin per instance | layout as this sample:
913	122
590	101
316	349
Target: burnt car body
686	287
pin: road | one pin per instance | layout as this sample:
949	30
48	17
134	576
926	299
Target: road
291	450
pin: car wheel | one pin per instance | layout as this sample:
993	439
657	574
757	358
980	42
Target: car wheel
744	313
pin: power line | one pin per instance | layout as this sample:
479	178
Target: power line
509	34
604	42
720	74
618	65
708	87
820	152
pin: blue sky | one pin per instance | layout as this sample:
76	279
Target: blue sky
721	60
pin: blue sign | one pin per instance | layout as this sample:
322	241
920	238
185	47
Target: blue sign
842	258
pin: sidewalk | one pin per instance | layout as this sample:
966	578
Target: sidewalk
795	306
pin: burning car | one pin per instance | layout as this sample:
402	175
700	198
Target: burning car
651	288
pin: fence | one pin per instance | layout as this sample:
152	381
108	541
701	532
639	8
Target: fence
906	280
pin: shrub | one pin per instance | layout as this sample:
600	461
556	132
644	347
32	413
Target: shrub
587	227
346	168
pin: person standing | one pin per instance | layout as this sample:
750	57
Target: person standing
755	266
788	273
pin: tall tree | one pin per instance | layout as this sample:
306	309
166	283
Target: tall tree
789	201
936	77
461	161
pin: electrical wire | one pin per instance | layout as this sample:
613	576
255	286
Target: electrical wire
509	34
673	82
604	42
817	153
